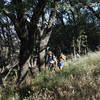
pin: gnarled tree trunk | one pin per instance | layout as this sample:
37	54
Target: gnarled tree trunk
44	41
27	40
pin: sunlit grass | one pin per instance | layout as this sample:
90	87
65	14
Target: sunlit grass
79	80
79	77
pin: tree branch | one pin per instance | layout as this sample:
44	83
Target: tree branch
38	11
45	41
89	6
92	10
19	9
10	15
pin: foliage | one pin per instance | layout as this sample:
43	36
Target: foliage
75	28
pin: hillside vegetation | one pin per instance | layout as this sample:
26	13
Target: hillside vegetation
79	80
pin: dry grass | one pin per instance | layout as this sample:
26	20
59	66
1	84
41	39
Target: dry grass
79	80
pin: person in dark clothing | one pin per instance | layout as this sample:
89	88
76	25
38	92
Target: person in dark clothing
51	61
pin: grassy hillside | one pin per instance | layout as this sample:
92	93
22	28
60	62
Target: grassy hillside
79	80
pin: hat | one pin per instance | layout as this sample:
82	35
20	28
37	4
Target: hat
50	52
63	56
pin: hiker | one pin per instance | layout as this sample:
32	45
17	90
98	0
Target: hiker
61	62
51	61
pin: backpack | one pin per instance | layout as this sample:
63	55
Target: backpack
50	59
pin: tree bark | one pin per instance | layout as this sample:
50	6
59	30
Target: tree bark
27	41
27	33
44	41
